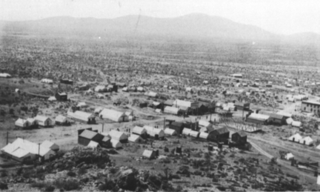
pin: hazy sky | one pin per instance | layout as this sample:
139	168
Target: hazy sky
280	16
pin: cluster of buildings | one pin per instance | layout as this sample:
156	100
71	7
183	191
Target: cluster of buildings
23	150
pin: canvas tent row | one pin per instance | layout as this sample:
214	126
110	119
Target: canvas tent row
306	140
113	115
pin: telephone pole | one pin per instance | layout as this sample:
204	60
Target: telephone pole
7	137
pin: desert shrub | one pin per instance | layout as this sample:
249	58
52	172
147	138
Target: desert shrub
49	188
107	185
71	174
67	185
82	171
4	173
3	186
40	185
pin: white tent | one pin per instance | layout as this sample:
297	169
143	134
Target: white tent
203	135
151	94
82	104
44	121
21	123
154	131
140	89
288	156
296	137
182	104
98	110
188	89
260	117
169	131
31	121
80	115
125	89
171	110
115	143
113	115
93	145
204	123
138	130
48	81
100	88
61	119
289	121
296	123
186	131
117	135
306	140
5	75
50	144
284	113
194	133
52	98
134	138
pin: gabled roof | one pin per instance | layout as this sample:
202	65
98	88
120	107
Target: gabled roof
221	130
241	134
88	134
147	153
80	115
117	135
134	138
49	144
41	118
138	130
111	114
61	118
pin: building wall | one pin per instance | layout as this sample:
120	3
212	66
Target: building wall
83	141
313	108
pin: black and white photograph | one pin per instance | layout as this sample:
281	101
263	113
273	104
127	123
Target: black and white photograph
159	95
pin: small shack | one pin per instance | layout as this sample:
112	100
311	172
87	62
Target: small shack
177	126
149	154
134	138
117	135
170	132
295	138
239	138
44	121
86	136
21	123
277	119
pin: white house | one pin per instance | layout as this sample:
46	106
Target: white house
171	110
140	89
113	115
93	145
306	140
116	143
296	123
284	113
21	123
139	130
60	119
31	122
295	138
193	133
186	131
44	121
184	104
82	105
117	135
154	132
205	124
203	135
134	138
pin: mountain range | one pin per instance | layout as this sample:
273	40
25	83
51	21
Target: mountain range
189	26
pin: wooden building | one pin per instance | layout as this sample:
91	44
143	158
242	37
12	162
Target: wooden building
277	119
219	135
86	136
177	126
310	106
239	138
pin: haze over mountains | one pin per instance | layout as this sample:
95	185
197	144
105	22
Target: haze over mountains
190	26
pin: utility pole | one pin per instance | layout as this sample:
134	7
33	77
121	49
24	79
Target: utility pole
164	123
7	137
102	127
